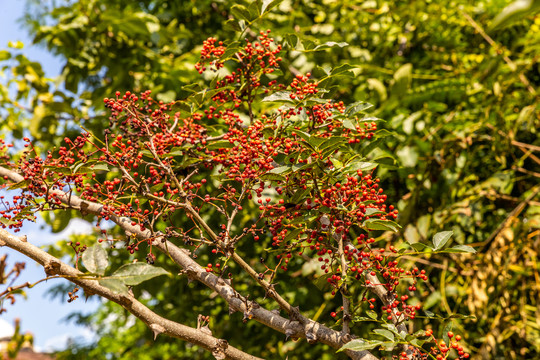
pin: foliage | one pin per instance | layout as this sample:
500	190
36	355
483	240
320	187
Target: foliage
292	170
461	106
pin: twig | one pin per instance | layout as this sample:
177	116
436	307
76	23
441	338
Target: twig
492	42
513	214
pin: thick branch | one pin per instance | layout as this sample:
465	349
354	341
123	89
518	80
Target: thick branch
309	329
156	323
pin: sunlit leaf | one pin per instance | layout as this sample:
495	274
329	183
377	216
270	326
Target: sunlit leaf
136	273
95	259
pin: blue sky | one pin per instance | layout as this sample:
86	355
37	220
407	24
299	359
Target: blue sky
40	314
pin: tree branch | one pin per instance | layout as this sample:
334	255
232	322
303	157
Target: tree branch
156	323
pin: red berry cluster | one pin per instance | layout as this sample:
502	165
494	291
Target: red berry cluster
209	51
440	351
296	164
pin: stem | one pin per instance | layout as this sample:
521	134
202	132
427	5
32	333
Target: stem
343	289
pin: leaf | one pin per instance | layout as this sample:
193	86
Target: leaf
419	247
372	314
4	55
342	69
379	87
136	273
95	259
232	24
359	165
411	234
360	344
281	170
267	5
19	185
292	235
449	326
15	45
101	166
461	249
240	12
388	346
349	124
322	281
373	211
440	239
515	11
332	143
330	44
402	80
279	96
357	107
273	177
372	118
377	224
417	342
115	285
385	333
361	318
220	144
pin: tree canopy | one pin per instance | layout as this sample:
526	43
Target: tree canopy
454	83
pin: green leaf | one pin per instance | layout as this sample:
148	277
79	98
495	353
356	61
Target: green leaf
15	45
417	342
419	247
101	166
342	69
330	44
279	96
402	80
281	170
273	177
292	234
19	185
348	124
359	165
136	273
461	249
357	107
440	239
95	259
388	346
115	285
378	224
373	211
332	143
267	5
240	12
221	144
515	11
372	314
449	326
322	281
360	345
379	87
361	318
5	55
385	333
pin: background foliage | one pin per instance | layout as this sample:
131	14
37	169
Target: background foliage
461	154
